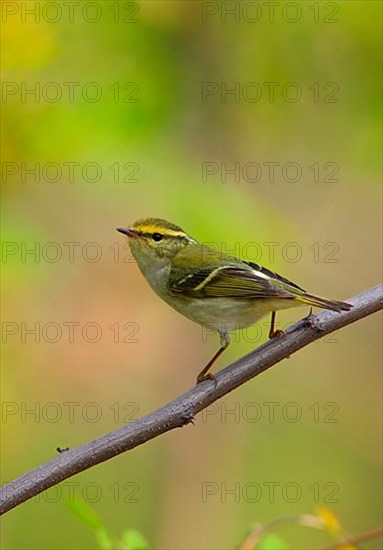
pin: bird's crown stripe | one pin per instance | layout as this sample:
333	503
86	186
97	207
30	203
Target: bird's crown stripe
150	229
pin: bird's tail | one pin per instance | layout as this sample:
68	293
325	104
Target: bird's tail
317	301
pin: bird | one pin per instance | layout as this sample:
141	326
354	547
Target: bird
216	290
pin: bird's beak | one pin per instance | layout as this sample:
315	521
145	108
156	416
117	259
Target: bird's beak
127	231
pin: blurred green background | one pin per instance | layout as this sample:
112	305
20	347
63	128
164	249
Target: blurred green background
145	116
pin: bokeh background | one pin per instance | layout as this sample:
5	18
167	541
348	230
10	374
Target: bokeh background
146	128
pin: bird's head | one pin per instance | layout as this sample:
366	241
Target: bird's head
155	241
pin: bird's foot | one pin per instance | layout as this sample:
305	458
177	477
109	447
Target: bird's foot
207	376
312	321
275	333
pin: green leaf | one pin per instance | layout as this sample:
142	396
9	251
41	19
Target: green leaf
105	541
133	540
85	513
272	542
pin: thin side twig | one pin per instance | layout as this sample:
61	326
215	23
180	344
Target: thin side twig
357	539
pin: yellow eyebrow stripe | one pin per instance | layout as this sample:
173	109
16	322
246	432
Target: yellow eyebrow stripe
163	230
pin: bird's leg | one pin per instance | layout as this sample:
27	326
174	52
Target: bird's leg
205	374
272	332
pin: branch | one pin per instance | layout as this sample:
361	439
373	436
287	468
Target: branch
353	541
183	409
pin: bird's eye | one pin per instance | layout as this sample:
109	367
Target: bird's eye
157	237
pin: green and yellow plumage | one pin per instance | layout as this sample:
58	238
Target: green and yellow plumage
213	289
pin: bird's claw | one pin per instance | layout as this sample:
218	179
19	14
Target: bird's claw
208	376
277	332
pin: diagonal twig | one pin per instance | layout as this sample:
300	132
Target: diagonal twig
182	410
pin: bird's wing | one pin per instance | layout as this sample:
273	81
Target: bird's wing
221	276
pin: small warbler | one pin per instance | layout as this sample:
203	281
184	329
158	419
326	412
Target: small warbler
218	291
